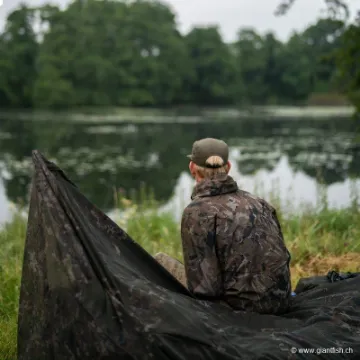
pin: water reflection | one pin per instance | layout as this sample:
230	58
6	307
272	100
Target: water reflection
4	204
295	189
102	157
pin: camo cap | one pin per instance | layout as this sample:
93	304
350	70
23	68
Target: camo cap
205	148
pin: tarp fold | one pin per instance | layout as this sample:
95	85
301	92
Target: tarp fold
90	292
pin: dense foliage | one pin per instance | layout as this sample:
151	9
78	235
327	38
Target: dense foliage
130	53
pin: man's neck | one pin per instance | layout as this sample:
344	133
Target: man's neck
221	184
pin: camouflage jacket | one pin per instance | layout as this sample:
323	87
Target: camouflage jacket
233	248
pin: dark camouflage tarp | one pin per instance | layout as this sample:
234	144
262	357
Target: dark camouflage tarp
90	292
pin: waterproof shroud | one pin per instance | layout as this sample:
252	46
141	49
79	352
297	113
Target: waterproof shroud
90	292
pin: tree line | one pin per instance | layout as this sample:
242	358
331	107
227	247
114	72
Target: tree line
121	53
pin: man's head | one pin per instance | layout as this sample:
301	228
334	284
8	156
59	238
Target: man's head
209	157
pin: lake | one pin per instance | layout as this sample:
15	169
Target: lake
101	155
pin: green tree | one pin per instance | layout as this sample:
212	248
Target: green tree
251	65
296	84
160	63
19	48
338	48
74	68
334	7
215	77
130	53
112	53
272	53
348	67
322	39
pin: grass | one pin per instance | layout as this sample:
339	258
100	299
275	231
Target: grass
319	239
11	249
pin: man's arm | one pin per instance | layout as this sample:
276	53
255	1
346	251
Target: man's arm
276	219
198	233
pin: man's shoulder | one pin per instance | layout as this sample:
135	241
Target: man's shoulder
254	200
221	205
198	205
239	201
197	217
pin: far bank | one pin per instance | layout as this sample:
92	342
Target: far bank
180	114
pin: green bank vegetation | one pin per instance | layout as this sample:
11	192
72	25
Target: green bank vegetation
320	239
131	54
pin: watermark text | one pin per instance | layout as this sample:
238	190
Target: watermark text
318	351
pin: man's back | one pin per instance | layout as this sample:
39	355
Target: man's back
234	249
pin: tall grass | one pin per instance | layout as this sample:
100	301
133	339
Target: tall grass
320	239
11	250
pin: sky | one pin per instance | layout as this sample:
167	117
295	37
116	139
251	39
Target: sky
229	15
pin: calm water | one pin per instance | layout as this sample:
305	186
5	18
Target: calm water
280	154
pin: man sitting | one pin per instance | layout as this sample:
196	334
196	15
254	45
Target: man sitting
233	247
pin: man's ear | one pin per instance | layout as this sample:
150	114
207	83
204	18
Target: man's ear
228	166
192	168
